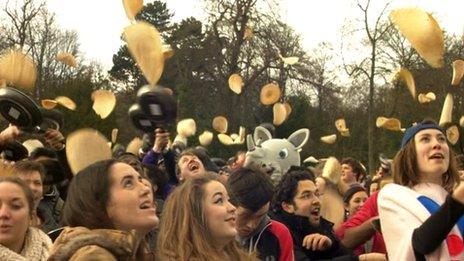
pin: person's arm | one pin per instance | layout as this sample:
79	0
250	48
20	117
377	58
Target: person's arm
56	140
170	164
336	249
154	156
356	236
335	252
359	228
400	214
428	237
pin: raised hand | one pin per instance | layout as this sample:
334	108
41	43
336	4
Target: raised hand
54	139
161	140
9	134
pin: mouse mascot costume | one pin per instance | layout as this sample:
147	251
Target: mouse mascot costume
276	156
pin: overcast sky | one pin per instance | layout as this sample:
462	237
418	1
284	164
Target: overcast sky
100	22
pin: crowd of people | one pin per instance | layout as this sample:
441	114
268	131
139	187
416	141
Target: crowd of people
177	203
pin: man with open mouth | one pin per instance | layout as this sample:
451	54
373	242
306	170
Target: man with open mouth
189	165
296	204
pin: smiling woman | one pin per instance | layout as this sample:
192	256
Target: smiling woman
199	223
19	241
419	214
109	211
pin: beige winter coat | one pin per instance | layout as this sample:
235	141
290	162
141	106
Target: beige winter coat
79	243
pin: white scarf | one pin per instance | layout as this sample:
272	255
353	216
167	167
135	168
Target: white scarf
36	247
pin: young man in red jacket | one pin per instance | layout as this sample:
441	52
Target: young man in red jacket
251	191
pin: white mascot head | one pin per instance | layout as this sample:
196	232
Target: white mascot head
275	156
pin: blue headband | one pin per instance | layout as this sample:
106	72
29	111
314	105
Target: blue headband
409	134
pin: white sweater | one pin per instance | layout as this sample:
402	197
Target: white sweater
400	213
36	247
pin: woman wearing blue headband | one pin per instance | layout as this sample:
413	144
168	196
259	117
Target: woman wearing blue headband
420	214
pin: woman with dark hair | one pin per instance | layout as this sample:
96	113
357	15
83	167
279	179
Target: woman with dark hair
18	240
109	210
354	199
420	214
199	223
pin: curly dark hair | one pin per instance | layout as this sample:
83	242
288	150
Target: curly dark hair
287	187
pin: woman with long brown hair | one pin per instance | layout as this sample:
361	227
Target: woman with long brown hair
198	223
108	213
420	214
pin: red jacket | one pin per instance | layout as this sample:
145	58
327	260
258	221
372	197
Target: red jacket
368	211
271	239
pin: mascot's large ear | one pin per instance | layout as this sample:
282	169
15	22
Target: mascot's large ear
261	135
299	138
250	143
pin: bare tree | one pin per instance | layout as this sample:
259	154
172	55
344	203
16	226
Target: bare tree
322	76
256	59
21	19
32	27
372	67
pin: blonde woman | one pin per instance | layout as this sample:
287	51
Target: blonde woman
198	223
